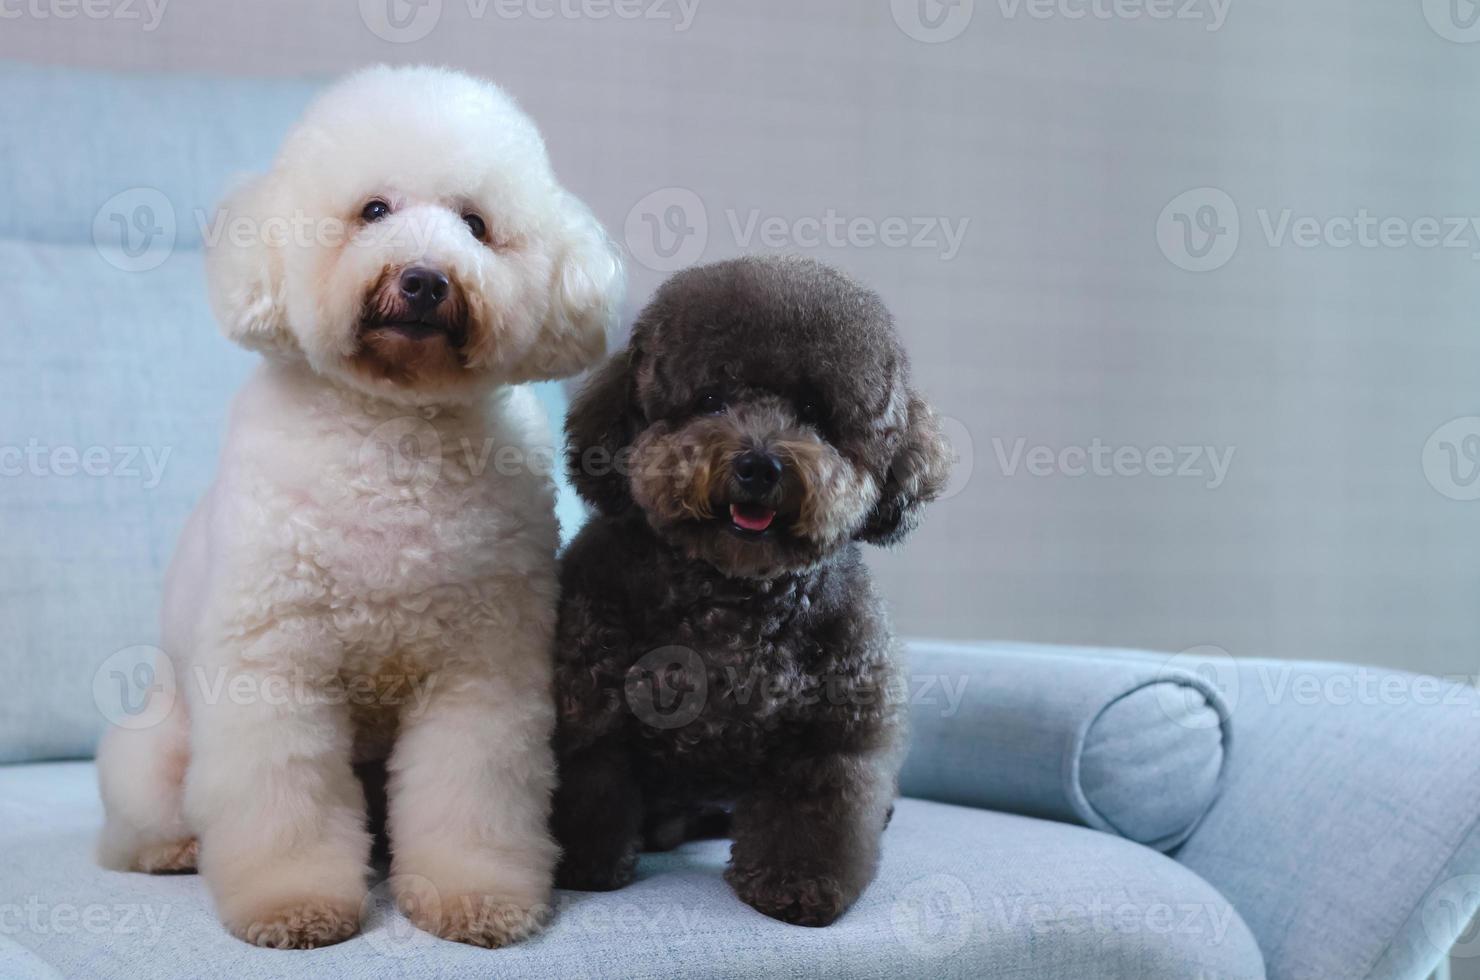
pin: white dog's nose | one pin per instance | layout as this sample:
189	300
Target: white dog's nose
423	289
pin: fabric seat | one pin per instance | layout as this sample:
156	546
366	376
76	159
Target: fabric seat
961	893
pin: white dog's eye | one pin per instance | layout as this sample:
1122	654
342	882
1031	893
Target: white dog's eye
476	226
374	210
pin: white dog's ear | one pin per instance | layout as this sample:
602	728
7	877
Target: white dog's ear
244	269
585	293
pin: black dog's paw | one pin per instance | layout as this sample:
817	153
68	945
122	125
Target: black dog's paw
793	896
597	876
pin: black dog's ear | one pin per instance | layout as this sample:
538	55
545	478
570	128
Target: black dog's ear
916	476
603	421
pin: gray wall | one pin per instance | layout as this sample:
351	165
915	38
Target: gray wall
1068	315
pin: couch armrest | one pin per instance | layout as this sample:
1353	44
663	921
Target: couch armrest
1346	833
1116	744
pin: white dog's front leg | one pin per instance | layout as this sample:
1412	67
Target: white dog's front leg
272	794
471	779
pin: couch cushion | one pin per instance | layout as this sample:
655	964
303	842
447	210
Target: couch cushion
961	893
116	386
1124	745
171	140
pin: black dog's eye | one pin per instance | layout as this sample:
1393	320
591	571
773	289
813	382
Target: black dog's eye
711	403
809	411
476	226
375	209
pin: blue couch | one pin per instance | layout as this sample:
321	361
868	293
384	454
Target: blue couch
1068	813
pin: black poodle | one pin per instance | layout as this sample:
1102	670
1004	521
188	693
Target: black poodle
722	657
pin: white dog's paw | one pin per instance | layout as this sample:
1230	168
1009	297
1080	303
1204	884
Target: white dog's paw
167	857
484	920
302	924
479	919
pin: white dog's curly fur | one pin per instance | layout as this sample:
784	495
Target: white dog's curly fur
372	574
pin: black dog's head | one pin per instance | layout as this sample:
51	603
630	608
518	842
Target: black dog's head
761	417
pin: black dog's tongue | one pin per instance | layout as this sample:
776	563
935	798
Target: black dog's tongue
749	517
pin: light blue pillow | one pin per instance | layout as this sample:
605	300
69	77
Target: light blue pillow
101	138
1123	745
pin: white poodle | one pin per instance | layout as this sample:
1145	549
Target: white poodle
372	574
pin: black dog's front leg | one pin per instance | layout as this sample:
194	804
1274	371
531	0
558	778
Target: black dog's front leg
597	818
807	840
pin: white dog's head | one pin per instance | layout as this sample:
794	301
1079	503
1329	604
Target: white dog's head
411	241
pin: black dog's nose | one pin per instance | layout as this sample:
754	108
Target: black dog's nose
423	289
757	472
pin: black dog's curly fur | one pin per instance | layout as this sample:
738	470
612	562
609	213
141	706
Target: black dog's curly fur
705	662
